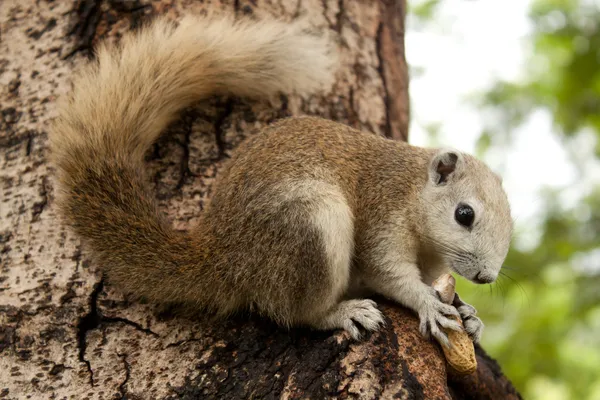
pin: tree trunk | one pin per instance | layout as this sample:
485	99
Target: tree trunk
64	333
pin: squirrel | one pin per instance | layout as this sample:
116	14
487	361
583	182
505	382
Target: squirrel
304	212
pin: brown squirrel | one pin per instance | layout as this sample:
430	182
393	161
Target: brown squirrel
304	212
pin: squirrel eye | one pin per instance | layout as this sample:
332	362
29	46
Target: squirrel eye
464	215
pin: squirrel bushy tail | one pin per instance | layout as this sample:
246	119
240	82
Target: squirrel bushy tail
121	103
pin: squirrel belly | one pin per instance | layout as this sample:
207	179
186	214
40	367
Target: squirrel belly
300	212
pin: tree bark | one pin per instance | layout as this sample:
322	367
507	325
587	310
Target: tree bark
65	333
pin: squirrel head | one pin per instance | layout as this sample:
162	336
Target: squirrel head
466	216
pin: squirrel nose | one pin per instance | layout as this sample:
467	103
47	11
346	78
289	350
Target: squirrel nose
482	279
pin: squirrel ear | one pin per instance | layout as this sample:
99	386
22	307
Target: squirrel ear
444	164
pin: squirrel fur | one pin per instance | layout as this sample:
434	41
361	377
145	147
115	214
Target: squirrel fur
304	213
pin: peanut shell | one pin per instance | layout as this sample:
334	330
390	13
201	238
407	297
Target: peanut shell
461	353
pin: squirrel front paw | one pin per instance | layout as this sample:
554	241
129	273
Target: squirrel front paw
473	325
435	314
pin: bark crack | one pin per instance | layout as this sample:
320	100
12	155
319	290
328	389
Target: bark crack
93	320
220	131
89	322
58	368
29	143
184	167
84	28
125	321
89	13
122	386
339	17
38	207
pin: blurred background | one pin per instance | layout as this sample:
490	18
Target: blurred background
517	82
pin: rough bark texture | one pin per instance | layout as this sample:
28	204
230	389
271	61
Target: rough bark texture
64	333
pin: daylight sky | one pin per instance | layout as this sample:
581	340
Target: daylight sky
467	46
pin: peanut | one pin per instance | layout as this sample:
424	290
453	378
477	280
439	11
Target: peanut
461	353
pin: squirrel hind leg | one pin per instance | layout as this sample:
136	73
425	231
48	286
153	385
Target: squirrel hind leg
311	262
334	220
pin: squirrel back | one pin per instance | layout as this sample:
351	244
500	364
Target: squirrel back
121	103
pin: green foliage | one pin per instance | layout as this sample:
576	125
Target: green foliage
563	74
543	314
424	10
